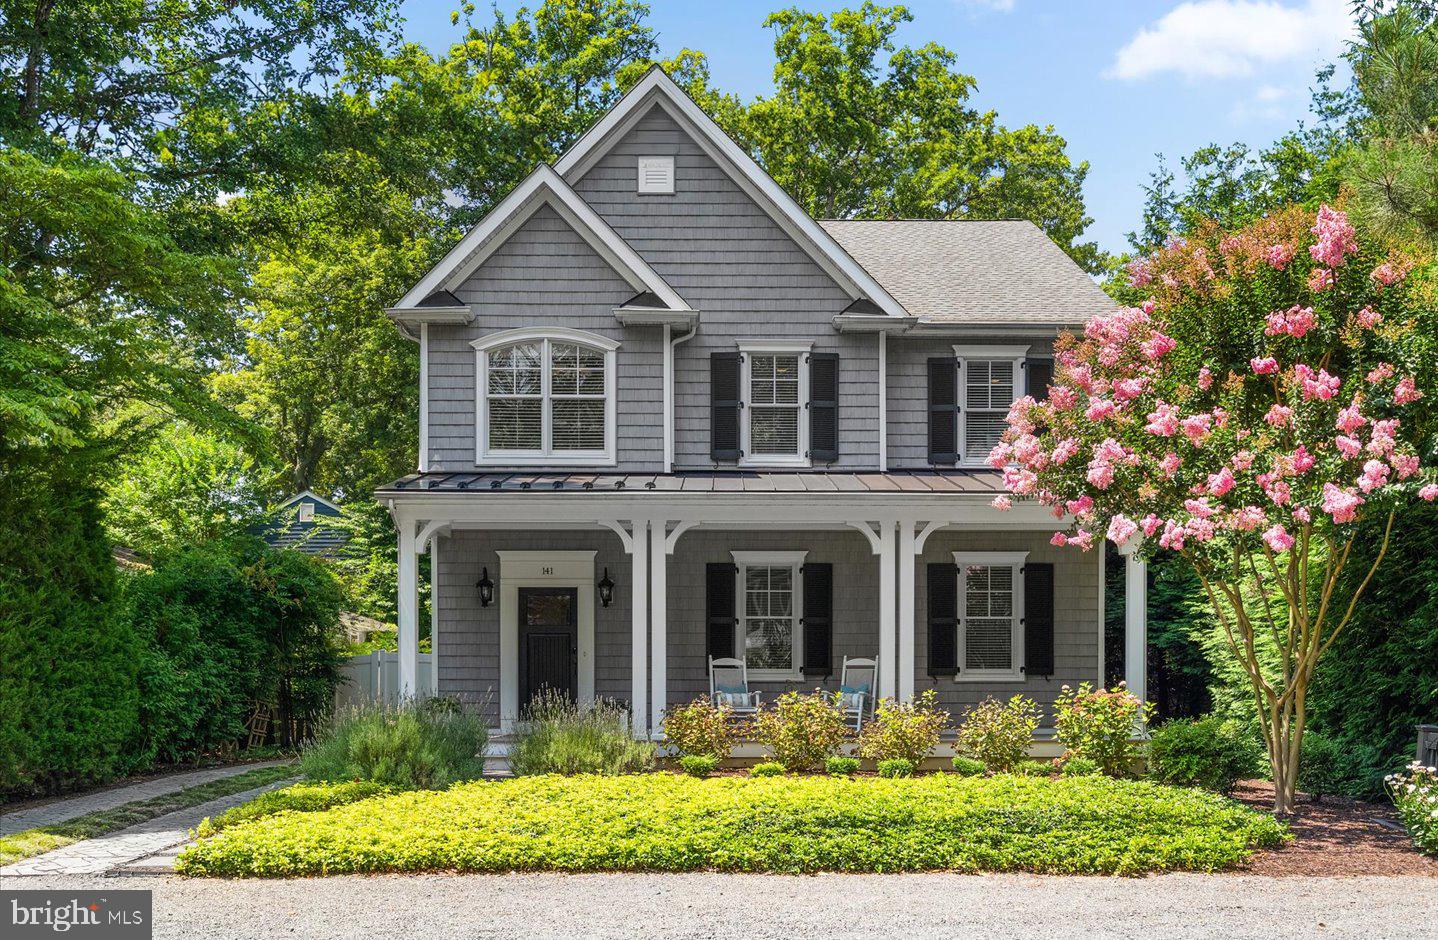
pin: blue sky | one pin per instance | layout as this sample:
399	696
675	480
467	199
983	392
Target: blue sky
1122	80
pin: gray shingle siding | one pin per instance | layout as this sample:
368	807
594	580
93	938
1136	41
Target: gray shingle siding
725	256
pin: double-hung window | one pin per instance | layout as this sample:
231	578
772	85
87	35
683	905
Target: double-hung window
991	378
991	614
769	588
775	388
545	397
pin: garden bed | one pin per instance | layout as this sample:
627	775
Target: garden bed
663	822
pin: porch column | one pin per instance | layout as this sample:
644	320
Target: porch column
888	645
639	604
1135	621
905	670
408	610
659	629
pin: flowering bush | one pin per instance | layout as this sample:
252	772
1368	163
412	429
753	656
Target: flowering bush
909	730
802	730
1415	793
999	733
701	728
1245	415
1099	724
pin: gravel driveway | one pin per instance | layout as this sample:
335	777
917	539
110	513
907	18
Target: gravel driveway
762	906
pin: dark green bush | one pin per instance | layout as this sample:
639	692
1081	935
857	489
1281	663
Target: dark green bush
560	737
896	767
1080	767
406	747
1204	752
768	768
698	765
967	766
1320	766
838	766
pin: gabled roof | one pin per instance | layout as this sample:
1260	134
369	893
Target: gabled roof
543	187
311	496
1004	272
657	89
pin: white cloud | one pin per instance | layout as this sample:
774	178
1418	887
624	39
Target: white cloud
1002	6
1268	102
1234	38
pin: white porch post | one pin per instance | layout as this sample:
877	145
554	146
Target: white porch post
907	551
408	610
888	646
659	619
1135	620
639	659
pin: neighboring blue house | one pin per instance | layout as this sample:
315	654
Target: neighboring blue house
300	522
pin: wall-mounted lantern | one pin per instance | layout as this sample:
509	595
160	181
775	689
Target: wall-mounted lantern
606	589
486	588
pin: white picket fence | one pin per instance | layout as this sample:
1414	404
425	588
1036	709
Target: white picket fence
374	677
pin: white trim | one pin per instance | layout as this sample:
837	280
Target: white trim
883	402
434	617
658	627
1014	560
905	659
307	494
563	569
962	354
990	352
542	187
423	397
795	561
801	350
659	89
655	316
545	456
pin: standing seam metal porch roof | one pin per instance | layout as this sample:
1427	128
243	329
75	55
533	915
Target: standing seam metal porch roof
978	482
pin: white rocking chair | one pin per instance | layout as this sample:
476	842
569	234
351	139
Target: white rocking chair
729	685
857	682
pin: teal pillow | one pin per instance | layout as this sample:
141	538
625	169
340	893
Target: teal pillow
730	689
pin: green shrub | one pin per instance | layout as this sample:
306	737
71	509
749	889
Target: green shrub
999	733
698	765
1203	752
896	767
1415	793
299	798
700	727
767	768
967	766
1099	724
1080	767
561	737
800	731
837	766
909	729
1033	768
1320	766
406	747
674	823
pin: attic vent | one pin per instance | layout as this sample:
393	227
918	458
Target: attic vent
307	512
656	175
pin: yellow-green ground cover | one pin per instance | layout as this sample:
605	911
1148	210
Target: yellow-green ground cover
667	822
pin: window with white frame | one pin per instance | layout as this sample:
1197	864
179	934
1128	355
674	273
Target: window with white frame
769	589
546	397
991	614
775	395
991	378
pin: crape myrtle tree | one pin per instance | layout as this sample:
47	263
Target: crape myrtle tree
1264	399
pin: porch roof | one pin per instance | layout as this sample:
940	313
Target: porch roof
702	481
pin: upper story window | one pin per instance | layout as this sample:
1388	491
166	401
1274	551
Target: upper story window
546	398
991	614
775	390
990	379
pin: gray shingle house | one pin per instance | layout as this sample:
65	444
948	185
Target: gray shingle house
667	416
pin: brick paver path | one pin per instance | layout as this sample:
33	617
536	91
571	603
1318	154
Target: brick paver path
59	811
94	856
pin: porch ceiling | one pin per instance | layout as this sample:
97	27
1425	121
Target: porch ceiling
977	482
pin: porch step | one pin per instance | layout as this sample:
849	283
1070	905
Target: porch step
497	765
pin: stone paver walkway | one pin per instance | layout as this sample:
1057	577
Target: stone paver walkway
59	811
107	852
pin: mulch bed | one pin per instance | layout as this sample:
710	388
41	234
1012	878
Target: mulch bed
1336	837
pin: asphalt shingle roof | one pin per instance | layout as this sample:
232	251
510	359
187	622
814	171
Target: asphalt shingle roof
969	271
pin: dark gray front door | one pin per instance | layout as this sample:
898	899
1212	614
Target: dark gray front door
548	642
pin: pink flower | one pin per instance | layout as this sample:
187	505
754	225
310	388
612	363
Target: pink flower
1099	408
1383	439
1266	365
1163	420
1375	474
1121	528
1065	449
1279	493
1020	482
1196	427
1248	518
1059	539
1405	464
1221	482
1349	447
1172	537
1279	255
1242	460
1205	379
1350	419
1320	279
1077	507
1429	492
1318	384
1002	503
1406	391
1170	464
999	457
1127	389
1278	539
1301	514
1140	272
1301	461
1083	539
1157	346
1296	321
1278	415
1336	237
1386	274
1199	508
1100	474
1151	523
1341	504
1200	530
1381	372
1062	398
1367	318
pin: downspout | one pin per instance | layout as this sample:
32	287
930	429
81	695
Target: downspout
669	346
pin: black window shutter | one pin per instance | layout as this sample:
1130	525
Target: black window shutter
943	619
943	410
824	407
1039	372
724	405
818	620
719	608
1039	619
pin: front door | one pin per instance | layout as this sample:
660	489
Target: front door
548	642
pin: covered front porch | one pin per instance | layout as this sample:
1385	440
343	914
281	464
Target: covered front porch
618	588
